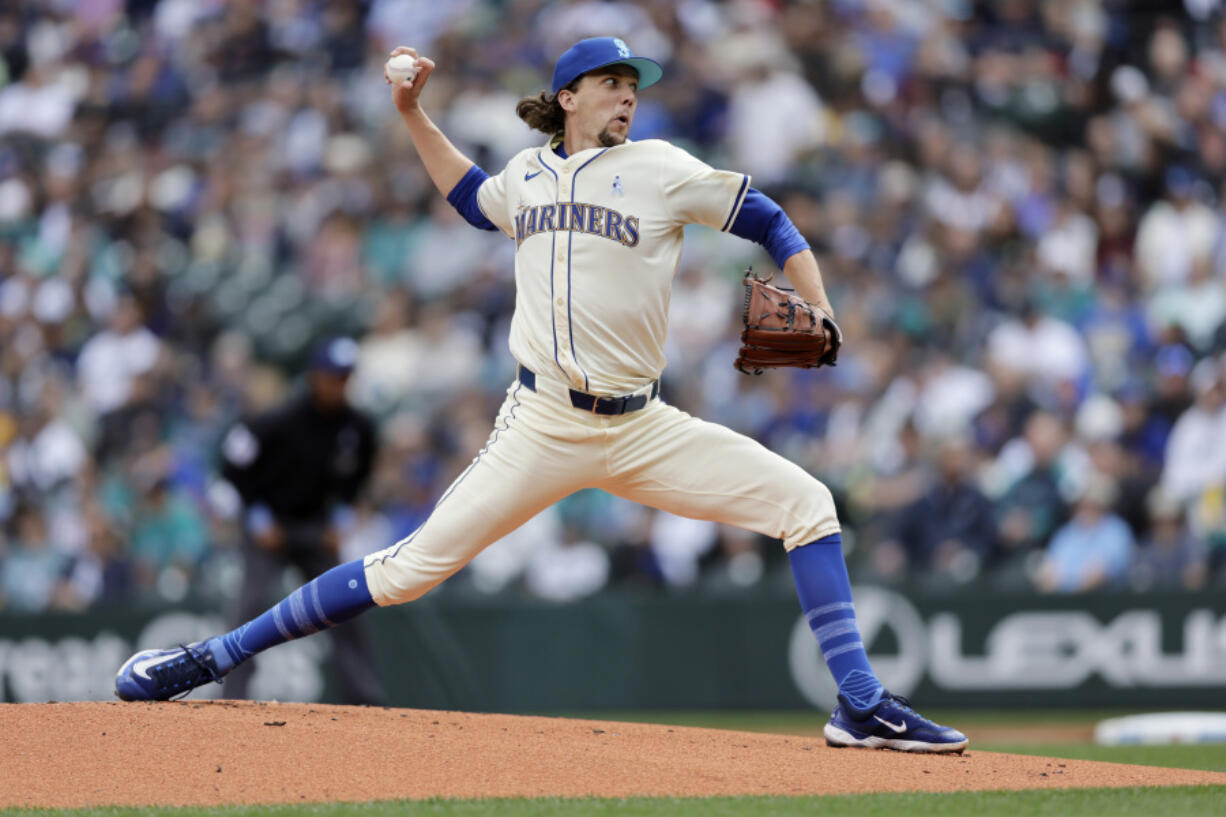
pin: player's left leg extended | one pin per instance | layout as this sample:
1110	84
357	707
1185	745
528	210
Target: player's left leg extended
532	460
683	465
157	675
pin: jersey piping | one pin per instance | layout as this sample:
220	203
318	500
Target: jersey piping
553	318
570	239
736	205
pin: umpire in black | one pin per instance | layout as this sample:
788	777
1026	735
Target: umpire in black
298	468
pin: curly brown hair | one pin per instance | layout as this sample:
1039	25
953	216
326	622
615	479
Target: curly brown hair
543	112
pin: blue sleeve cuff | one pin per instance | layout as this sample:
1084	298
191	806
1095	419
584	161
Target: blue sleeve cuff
463	197
763	221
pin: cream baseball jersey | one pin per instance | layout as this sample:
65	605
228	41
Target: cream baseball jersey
598	238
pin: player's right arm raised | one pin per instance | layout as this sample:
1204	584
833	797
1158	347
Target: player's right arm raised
443	160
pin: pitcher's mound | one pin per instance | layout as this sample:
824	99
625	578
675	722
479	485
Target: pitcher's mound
213	753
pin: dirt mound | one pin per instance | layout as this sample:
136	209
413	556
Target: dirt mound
213	753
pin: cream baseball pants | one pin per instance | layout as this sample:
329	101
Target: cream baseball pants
543	449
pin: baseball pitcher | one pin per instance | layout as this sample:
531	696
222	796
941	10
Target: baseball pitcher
597	220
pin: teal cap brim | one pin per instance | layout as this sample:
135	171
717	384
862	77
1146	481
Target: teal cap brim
649	70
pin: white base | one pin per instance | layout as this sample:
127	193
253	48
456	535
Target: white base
1162	728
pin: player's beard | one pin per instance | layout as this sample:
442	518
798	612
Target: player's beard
610	140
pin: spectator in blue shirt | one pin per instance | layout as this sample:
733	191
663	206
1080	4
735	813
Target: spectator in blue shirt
1093	549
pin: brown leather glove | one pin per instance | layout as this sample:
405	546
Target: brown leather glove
782	329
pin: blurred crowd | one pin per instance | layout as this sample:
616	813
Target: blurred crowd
1019	208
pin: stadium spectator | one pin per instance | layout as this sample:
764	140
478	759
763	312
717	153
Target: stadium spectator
1018	211
1171	557
103	572
1196	449
1032	507
1091	550
34	572
950	530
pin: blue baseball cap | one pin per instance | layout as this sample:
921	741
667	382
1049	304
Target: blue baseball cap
1174	360
601	52
335	356
1179	180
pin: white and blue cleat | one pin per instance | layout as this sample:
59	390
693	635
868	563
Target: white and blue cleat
890	724
159	675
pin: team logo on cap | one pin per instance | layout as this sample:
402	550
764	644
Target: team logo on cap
623	50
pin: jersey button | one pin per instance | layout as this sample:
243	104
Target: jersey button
561	302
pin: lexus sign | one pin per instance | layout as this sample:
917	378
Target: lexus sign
1026	650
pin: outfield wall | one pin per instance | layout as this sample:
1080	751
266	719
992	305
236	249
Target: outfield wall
689	652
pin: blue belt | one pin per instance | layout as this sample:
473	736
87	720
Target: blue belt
594	404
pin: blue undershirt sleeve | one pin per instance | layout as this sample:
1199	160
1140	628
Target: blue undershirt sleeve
463	197
763	221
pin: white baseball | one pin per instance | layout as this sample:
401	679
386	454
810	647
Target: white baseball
401	68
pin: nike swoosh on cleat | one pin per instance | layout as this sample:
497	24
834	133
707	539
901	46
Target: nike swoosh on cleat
140	666
899	728
530	176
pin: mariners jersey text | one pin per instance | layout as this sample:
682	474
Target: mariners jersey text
577	217
592	291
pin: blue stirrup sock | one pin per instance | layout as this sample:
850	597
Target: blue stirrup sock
825	596
336	596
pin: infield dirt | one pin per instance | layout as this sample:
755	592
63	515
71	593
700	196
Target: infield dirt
223	752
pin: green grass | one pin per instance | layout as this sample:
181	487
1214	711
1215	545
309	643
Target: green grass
1074	803
1209	757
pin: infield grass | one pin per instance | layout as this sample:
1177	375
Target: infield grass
1209	757
1209	800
